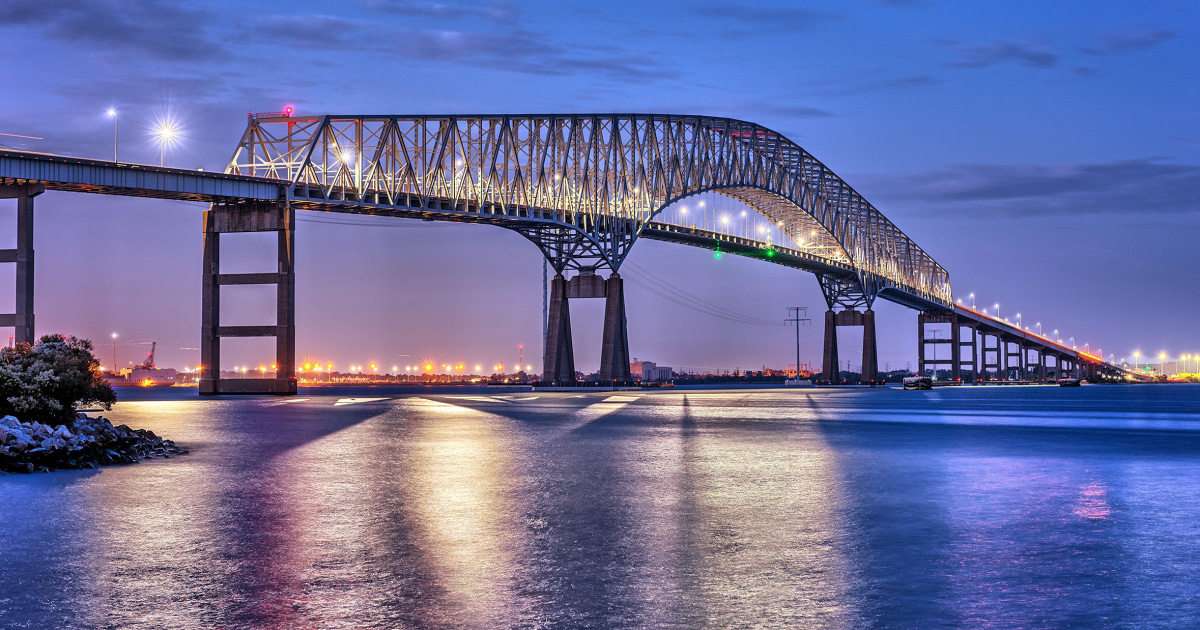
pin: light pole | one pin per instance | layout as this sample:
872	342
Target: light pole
114	338
1018	320
997	306
112	111
1039	327
1056	337
972	301
166	133
1162	363
1136	356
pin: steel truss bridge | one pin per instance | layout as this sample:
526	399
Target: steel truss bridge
583	188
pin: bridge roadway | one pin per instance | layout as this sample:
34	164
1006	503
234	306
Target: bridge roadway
24	175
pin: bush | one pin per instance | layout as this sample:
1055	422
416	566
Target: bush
45	381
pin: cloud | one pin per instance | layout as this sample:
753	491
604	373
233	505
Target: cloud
749	21
906	82
1128	42
1026	52
164	30
1125	186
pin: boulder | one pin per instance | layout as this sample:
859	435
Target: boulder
61	432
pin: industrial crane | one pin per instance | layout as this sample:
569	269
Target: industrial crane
148	364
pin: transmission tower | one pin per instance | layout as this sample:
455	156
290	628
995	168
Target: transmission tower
794	319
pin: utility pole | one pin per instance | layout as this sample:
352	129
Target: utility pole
794	313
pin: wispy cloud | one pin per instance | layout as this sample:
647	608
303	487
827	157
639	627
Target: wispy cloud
1126	186
742	21
1127	42
164	30
1035	54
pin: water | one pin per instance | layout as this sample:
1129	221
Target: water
1033	507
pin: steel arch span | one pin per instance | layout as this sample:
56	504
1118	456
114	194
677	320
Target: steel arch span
600	177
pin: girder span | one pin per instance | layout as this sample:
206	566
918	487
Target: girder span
604	175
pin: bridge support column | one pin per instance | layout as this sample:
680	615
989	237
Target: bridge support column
830	364
249	217
558	355
22	319
955	350
614	350
870	360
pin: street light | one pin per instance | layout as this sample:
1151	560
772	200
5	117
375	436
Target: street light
114	338
1018	320
166	133
1162	363
112	111
972	301
1136	356
997	307
1056	337
1039	327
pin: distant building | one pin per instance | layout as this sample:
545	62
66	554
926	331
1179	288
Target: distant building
648	371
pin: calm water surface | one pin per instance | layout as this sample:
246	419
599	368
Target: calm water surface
1034	507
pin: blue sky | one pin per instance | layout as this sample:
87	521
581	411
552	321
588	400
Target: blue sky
1047	154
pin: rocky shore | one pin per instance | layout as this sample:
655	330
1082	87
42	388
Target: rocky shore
27	447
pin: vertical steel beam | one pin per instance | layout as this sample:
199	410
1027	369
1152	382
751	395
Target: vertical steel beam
614	350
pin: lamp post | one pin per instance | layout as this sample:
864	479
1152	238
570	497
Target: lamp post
972	301
166	135
1018	320
112	111
114	338
997	307
1136	356
1162	363
1039	327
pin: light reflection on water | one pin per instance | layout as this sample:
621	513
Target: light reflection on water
997	508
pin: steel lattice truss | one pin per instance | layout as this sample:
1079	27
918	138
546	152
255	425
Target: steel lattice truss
605	176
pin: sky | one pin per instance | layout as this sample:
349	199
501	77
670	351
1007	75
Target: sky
1046	154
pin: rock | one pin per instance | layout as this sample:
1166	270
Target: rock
61	432
20	467
10	422
3	434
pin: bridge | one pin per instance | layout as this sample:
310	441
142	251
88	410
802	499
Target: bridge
583	188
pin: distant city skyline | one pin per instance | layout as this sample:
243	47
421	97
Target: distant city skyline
1047	155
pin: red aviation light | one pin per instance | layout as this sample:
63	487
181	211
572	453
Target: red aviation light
287	111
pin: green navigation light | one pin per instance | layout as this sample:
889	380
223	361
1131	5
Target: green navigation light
717	254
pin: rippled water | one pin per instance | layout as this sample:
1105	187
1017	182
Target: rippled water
1034	507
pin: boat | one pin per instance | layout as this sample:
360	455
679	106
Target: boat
918	382
1069	382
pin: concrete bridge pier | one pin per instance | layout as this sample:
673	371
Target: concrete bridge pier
830	365
558	357
249	216
614	350
22	319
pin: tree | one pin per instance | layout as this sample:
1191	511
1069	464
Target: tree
47	380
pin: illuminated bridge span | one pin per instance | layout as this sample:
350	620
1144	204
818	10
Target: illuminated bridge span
583	188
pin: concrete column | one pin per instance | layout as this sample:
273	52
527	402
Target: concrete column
955	350
1002	343
558	355
24	316
210	307
830	365
1042	364
614	350
975	359
285	306
870	360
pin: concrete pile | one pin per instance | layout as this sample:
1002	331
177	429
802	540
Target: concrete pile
27	447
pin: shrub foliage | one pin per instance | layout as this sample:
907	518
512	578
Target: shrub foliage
47	380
